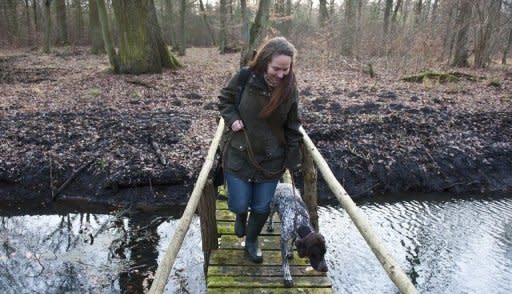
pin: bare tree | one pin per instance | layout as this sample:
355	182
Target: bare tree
48	26
507	48
387	14
107	37
182	43
245	22
97	44
223	27
462	25
78	19
324	15
10	16
258	31
61	37
169	31
349	28
206	22
394	18
489	14
35	15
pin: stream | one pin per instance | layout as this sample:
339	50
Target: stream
445	245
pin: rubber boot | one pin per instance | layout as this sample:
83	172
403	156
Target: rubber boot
254	226
240	223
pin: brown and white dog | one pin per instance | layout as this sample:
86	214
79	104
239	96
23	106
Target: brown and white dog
296	228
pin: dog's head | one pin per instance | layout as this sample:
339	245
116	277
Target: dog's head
313	247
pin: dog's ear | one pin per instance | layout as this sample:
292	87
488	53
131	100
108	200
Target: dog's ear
301	248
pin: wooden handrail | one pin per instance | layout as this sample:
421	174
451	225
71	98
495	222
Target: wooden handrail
392	268
164	269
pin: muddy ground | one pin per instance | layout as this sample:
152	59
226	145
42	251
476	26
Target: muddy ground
69	129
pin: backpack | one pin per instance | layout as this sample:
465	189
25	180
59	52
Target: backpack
218	174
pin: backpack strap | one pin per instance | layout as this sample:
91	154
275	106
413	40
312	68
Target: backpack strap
245	73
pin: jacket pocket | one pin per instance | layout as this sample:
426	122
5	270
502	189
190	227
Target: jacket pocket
237	152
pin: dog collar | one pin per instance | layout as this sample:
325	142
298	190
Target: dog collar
304	231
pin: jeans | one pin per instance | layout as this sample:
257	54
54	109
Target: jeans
243	194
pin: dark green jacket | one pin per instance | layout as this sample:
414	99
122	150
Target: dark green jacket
274	141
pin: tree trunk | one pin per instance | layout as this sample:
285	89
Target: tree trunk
168	60
62	30
34	12
288	22
482	46
11	20
507	48
28	24
387	13
48	26
394	18
78	20
95	33
405	12
417	12
107	37
206	22
323	12
140	40
347	47
449	35
258	31
182	33
223	27
433	15
169	31
245	22
462	24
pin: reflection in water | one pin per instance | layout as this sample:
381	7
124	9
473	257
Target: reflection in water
142	247
445	246
89	253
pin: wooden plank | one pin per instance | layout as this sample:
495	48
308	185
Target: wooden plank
265	282
228	228
263	271
239	257
226	215
222	204
233	242
273	291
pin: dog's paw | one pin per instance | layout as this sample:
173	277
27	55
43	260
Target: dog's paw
288	283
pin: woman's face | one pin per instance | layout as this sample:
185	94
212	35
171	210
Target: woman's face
278	68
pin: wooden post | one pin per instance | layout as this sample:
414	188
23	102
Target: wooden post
310	186
208	222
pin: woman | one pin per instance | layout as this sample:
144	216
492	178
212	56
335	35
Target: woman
262	137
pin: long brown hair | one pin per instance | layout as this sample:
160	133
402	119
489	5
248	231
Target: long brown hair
270	49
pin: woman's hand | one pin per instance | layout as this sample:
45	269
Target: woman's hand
237	125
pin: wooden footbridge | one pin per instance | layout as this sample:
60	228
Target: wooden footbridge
228	270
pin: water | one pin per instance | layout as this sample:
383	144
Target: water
445	245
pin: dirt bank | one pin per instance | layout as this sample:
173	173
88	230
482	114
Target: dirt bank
70	129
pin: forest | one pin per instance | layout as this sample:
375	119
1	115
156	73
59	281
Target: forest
426	32
102	97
